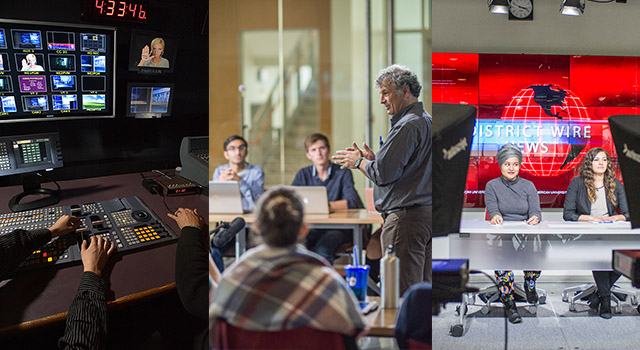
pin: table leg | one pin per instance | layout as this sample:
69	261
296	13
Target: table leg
241	243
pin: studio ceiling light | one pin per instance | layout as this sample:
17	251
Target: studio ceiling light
498	6
572	7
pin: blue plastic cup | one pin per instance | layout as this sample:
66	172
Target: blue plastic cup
357	277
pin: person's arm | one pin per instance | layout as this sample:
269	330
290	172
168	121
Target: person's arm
393	157
192	267
86	326
216	174
491	202
534	205
622	200
19	244
256	184
569	210
298	180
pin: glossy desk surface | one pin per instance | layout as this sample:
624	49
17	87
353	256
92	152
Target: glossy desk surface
547	227
36	298
382	321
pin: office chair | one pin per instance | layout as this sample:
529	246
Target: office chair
228	336
575	293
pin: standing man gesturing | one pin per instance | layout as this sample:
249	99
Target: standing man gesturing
401	173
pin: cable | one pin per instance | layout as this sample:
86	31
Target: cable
164	199
50	179
506	324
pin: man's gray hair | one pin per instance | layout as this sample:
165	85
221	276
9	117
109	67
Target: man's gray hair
400	76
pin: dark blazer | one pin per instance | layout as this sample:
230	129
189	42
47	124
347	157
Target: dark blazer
577	202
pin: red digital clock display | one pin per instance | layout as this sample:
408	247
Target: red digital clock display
136	11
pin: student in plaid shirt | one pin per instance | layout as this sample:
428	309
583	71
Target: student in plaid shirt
280	284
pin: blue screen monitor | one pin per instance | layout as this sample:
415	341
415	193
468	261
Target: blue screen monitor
149	100
63	83
26	39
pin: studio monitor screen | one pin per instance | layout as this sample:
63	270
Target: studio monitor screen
53	71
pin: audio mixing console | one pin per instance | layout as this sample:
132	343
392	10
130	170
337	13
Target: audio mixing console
127	222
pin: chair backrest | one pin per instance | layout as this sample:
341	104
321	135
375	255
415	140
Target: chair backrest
228	336
486	215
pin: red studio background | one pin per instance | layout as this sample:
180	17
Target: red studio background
554	107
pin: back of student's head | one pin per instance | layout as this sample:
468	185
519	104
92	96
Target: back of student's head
280	214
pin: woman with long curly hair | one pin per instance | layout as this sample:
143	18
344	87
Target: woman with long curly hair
594	196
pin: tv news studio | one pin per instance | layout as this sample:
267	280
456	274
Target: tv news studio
282	71
555	79
102	110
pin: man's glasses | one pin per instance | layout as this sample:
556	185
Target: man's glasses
239	149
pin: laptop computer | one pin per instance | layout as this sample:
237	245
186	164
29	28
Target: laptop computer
225	197
314	198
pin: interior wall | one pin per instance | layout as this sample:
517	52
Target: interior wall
96	147
603	29
228	18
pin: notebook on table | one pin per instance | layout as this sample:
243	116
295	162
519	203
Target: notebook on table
314	198
225	197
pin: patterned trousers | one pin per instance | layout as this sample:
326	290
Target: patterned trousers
504	278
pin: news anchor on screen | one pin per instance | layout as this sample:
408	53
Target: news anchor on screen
155	59
511	198
594	196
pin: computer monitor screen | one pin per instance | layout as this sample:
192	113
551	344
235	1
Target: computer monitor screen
152	52
93	83
62	63
24	39
43	61
63	83
64	102
147	100
61	41
33	83
27	153
554	107
3	40
626	136
5	84
452	139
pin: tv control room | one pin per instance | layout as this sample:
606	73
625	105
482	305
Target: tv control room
103	174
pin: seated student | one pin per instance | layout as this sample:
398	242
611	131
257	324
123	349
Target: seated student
280	285
86	326
340	191
250	177
512	198
594	196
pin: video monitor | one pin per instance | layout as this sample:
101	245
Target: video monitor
152	52
93	42
33	83
62	63
3	40
64	102
29	62
5	84
93	102
149	100
35	103
93	63
61	41
8	104
4	62
63	83
93	83
626	136
49	68
25	39
28	153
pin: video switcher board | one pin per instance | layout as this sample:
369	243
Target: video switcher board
127	222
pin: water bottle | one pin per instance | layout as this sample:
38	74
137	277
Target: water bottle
389	276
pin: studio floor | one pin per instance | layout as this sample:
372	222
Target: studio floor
554	326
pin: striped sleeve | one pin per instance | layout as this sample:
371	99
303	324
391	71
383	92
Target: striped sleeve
87	317
17	245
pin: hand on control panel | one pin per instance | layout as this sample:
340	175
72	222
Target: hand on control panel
64	225
96	253
187	217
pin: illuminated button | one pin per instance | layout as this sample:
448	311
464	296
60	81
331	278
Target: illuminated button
44	255
50	259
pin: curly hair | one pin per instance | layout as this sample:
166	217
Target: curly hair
399	76
587	174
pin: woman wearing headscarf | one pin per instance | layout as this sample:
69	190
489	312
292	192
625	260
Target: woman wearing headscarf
594	196
512	198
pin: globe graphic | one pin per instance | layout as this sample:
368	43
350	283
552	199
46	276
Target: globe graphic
549	106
